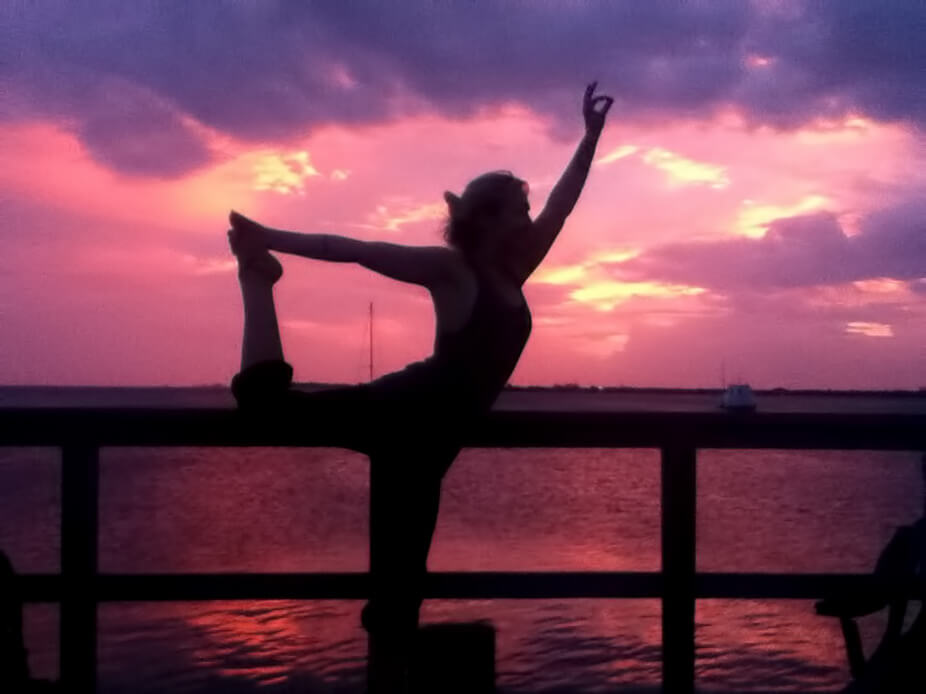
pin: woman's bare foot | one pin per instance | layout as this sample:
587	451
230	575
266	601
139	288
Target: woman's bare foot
252	259
250	232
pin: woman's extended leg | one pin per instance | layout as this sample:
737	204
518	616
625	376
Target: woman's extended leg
262	386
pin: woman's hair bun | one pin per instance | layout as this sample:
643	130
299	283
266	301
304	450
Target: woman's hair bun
453	202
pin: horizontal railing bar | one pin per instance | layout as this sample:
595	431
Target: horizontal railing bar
782	585
202	427
448	585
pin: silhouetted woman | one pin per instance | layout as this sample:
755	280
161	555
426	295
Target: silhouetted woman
411	422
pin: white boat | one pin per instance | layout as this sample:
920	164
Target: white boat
738	396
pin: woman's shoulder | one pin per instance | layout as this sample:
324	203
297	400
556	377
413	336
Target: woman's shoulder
455	266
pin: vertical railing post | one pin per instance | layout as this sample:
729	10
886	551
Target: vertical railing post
679	494
79	519
374	562
377	651
389	646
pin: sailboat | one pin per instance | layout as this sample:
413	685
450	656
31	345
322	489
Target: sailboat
737	397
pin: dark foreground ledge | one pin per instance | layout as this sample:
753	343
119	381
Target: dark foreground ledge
81	420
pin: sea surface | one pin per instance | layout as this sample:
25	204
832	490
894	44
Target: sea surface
305	509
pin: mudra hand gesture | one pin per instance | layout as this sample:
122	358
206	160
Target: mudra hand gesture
594	120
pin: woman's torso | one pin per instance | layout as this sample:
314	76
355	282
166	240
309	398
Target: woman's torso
482	326
455	300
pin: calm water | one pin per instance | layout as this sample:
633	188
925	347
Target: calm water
277	510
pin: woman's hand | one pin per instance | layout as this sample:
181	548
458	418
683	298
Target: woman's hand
594	120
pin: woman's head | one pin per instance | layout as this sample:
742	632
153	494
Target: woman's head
492	207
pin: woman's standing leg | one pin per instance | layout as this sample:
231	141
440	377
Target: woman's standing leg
405	497
432	477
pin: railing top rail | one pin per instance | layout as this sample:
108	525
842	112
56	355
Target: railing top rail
489	585
517	399
190	426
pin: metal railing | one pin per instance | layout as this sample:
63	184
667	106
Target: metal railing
80	433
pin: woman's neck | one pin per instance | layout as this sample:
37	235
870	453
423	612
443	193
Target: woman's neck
494	265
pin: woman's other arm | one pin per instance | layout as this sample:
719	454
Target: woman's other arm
330	247
428	266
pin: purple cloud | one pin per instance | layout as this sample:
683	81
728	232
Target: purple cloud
136	134
802	251
275	69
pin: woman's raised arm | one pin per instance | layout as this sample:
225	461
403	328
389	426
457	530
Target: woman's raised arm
566	192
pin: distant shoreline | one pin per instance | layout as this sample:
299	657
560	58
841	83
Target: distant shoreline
707	391
565	388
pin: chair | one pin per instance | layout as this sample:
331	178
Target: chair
14	662
898	663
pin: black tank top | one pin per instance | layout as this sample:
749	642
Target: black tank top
471	365
476	360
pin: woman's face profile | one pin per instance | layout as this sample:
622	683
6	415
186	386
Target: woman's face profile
505	214
514	216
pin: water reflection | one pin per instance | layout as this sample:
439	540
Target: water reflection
195	510
261	643
750	645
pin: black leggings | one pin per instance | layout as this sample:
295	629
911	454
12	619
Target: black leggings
410	449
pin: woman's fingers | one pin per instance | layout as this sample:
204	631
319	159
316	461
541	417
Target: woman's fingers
591	106
238	218
589	91
591	101
594	119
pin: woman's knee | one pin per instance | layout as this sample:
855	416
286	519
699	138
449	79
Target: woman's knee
261	384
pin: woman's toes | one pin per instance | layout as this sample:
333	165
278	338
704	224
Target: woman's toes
245	226
233	240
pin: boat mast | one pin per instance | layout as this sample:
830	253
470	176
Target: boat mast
371	340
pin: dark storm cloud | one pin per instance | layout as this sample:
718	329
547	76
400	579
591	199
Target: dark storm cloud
833	58
803	251
266	70
137	134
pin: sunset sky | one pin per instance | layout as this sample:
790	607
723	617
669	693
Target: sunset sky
757	206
